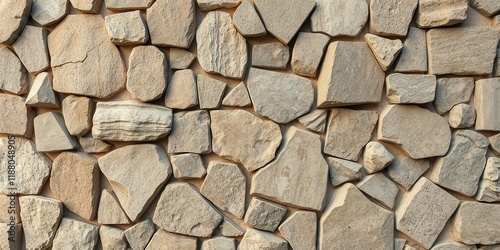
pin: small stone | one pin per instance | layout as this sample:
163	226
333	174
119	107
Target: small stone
376	157
139	234
5	236
110	211
462	116
270	55
399	243
165	240
280	97
264	215
77	111
379	188
348	132
406	171
452	245
256	240
339	17
391	18
362	83
489	186
178	202
315	120
495	143
180	58
476	223
41	94
452	91
190	133
13	77
92	146
182	92
427	206
127	28
87	6
410	88
238	96
407	126
385	50
207	5
12	210
13	16
450	50
342	171
496	67
187	166
486	7
486	96
127	180
40	216
438	13
75	234
147	74
307	53
210	92
230	229
128	4
413	56
300	230
112	238
48	12
16	117
51	134
131	121
219	243
31	47
225	186
247	21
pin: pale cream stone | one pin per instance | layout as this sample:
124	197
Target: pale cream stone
110	211
13	17
11	236
128	4
496	67
87	6
391	18
247	21
219	243
489	186
31	48
16	117
165	240
385	50
410	88
51	134
308	52
207	5
300	230
413	56
486	96
182	91
256	240
75	234
315	120
452	91
495	143
230	229
139	234
339	17
41	94
238	96
379	188
399	243
48	12
462	116
147	75
187	166
210	92
476	223
270	55
180	58
438	13
405	171
376	157
452	245
342	171
11	211
77	112
486	7
112	238
190	133
13	77
127	28
91	145
264	215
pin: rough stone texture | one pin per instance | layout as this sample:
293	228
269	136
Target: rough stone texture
363	83
475	223
187	166
339	17
462	51
112	238
225	186
75	180
75	234
462	116
7	201
495	143
298	176
13	16
165	240
127	28
131	121
489	186
452	91
391	18
139	234
110	211
307	53
40	217
147	74
410	88
299	229
264	215
207	5
127	180
407	126
351	221
16	117
181	91
399	243
270	55
87	6
496	67
41	94
190	133
77	112
413	56
315	120
379	188
423	212
5	236
486	7
238	96
405	171
242	137
486	96
51	134
177	204
31	48
128	4
256	239
172	23
342	171
278	96
91	145
210	92
221	50
452	245
247	21
437	13
88	64
385	50
13	77
48	12
180	58
219	243
230	229
348	132
376	157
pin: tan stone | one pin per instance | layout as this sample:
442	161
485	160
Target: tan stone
187	166
11	211
139	234
112	238
31	48
110	211
437	13
264	215
462	116
476	223
342	171
147	75
219	243
207	5
91	145
405	171
399	243
379	188
87	6
48	12
308	52
486	7
190	133
210	92
496	67
300	230
127	28
339	17
163	239
256	240
489	186
180	58
182	92
230	229
410	88
75	234
128	4
452	91
270	55
385	50
315	120
77	112
452	245
16	117
413	56
41	94
247	21
391	18
51	134
486	96
376	157
495	143
11	232
13	16
238	96
13	77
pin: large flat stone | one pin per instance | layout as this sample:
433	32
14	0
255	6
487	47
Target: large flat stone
452	91
391	18
16	117
31	47
237	96
147	74
437	13
476	223
486	96
180	58
489	186
13	15
339	17
187	166
413	56
13	77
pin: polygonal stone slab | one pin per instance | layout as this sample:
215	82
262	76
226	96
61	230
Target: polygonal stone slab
127	28
75	234
406	171
391	18
342	171
190	133
51	133
486	96
262	240
437	13
163	239
451	91
379	188
247	21
41	93
13	15
16	117
476	223
48	12
410	88
13	77
300	230
110	211
210	92
187	166
270	55
489	186
182	92
77	111
339	17
31	47
147	75
264	215
413	56
308	52
139	234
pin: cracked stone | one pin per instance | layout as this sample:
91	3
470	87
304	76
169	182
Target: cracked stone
300	230
139	234
379	188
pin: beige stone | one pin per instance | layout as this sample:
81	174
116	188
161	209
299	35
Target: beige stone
181	91
486	7
16	117
300	230
476	223
495	143
210	92
127	28
48	12
92	146
180	58
342	171
410	88
207	5
190	133
238	96
496	67
6	236
405	171
112	238
399	243
339	17
247	21
462	116
75	234
11	211
13	77
308	52
31	48
147	75
165	240
256	240
486	96
187	166
452	91
385	50
13	16
376	157
87	6
77	112
391	18
230	229
110	211
452	245
315	120
413	56
51	134
219	243
128	4
264	215
139	234
438	13
379	188
489	186
270	55
41	94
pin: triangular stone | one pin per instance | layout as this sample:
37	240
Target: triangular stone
210	92
139	234
315	120
230	229
238	97
51	133
110	211
385	50
247	21
300	230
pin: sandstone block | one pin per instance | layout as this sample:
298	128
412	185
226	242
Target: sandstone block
190	133
180	58
410	88
379	188
256	239
187	166
486	96
339	17
110	211
264	215
376	157
41	94
182	92
315	120
87	6
16	117
435	13
210	92
207	5
385	50
219	243
127	28
139	234
238	96
247	21
13	16
75	234
452	91
51	134
495	143
163	239
475	223
31	47
91	145
308	52
147	75
406	171
270	55
486	7
48	12
300	230
128	4
77	111
230	229
342	171
13	77
112	237
413	56
489	186
391	18
462	116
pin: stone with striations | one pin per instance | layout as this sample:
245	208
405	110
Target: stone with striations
489	186
48	12
219	243
476	223
342	171
486	7
165	240
405	171
190	133
486	96
182	92
452	245
391	18
51	134
238	96
180	58
264	215
462	116
270	55
147	75
87	6
413	56
210	92
91	146
229	228
31	47
315	120
13	16
339	17
127	28
379	188
256	240
77	112
495	143
187	166
110	211
376	157
41	94
385	50
75	234
13	77
128	4
139	234
207	5
308	52
247	21
452	91
438	13
16	117
300	230
112	238
410	88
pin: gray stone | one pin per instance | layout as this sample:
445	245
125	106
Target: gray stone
230	229
51	134
219	243
489	186
452	245
41	94
405	171
476	223
75	234
110	211
257	240
112	238
77	112
128	4
339	17
462	116
270	55
452	91
376	157
379	188
182	92
495	143
92	146
87	6
139	234
127	28
385	50
308	52
247	21
210	92
31	48
207	5
399	243
342	171
16	117
13	16
315	120
48	12
438	13
165	240
300	230
180	58
187	166
486	96
486	7
147	75
238	96
264	215
391	18
13	77
413	56
190	133
410	88
496	67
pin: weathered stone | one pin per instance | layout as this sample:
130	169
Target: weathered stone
399	243
182	92
75	234
127	180
300	230
362	83
13	16
178	202
476	223
256	239
307	53
264	215
230	229
112	238
48	12
5	236
495	143
210	92
87	6
242	137
486	7
187	166
438	13
207	5
11	209
491	247
75	180
270	55
91	145
131	121
77	112
410	88
180	58
315	120
13	77
16	117
127	28
385	50
147	74
462	51
110	211
238	96
40	216
165	240
41	94
339	17
247	21
427	206
452	91
407	126
348	132
489	186
391	18
452	245
51	134
496	67
351	221
190	133
406	171
462	116
486	96
413	56
128	4
219	243
376	157
31	47
342	171
379	188
139	234
278	96
225	186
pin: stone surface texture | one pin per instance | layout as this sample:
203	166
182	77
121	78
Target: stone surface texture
474	223
489	186
75	234
376	157
434	13
413	56
462	116
410	88
17	118
342	171
391	18
41	94
486	96
31	48
300	230
48	12
190	133
247	21
308	52
264	215
385	50
13	78
127	28
270	55
182	90
339	17
51	133
452	91
14	15
77	112
147	75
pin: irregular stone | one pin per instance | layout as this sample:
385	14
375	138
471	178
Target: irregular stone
410	88
92	146
489	186
342	171
242	137
435	13
385	50
486	7
256	239
363	83
462	116
427	206
187	166
452	245
219	243
163	239
405	171
238	96
376	157
178	202
112	237
180	58
31	48
139	234
476	223
225	186
486	96
75	234
391	18
278	96
283	18
495	143
496	66
210	92
270	55
51	134
230	229
207	5
307	53
127	180
190	133
75	180
41	94
339	17
40	216
13	77
452	91
315	120
48	12
147	74
110	211
407	126
247	21
16	117
131	121
11	211
77	111
348	132
182	92
350	215
413	56
127	28
128	4
8	241
300	230
172	23
399	243
379	188
87	6
450	50
13	16
491	247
